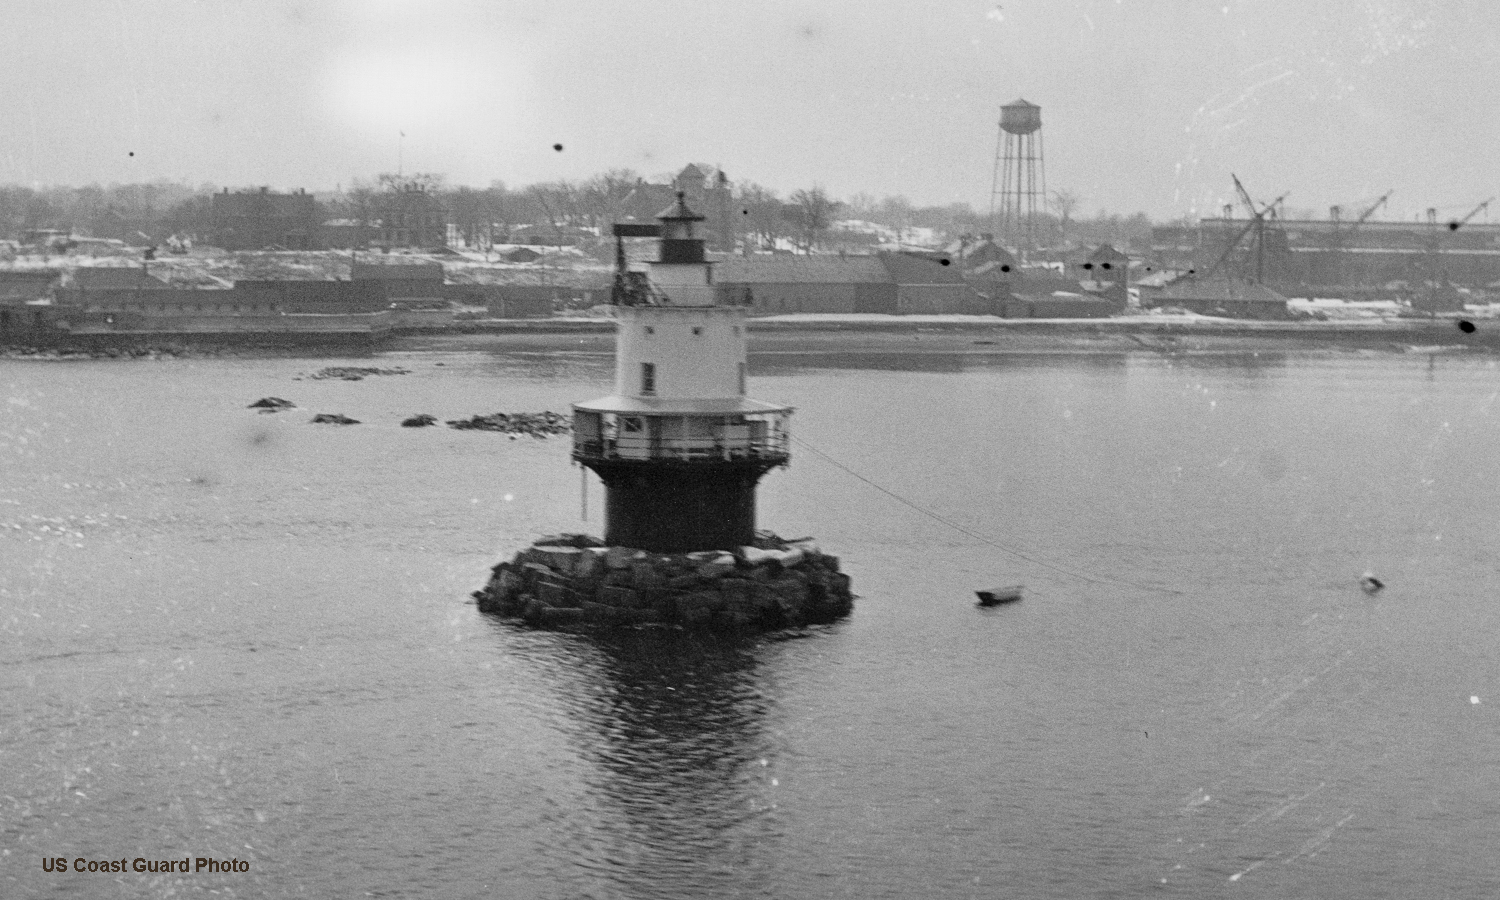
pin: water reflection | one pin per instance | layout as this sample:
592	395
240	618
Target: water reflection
940	362
1252	364
673	727
548	365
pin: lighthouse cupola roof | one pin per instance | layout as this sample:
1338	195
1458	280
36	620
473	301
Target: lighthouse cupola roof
682	239
679	211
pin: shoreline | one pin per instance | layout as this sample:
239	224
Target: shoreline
829	334
981	335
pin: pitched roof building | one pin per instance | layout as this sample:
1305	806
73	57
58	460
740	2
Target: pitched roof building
27	286
1224	296
113	278
924	284
783	283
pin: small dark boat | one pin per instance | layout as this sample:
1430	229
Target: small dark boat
999	595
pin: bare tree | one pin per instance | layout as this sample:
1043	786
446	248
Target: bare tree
861	205
603	196
468	210
1064	202
758	211
559	203
815	212
360	200
430	182
896	212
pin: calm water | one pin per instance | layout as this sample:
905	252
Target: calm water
238	635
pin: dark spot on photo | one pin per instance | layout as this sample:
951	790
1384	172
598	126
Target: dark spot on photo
1465	326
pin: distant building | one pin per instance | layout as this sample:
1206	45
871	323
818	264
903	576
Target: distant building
310	296
260	220
784	283
527	301
28	286
250	307
96	278
26	299
1054	305
644	201
1221	295
402	281
887	283
1302	254
972	253
346	234
925	285
410	216
1109	270
706	190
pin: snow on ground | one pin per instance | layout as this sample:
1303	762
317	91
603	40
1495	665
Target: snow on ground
959	319
214	268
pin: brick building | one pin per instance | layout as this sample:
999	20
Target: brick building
258	220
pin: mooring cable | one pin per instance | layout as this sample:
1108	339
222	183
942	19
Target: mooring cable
979	537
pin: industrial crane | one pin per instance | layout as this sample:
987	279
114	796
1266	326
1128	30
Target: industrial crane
1458	223
1437	272
1259	218
1370	210
1338	238
1256	224
1248	202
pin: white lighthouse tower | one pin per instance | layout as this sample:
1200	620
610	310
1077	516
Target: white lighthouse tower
678	445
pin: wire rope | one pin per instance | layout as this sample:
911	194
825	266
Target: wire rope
1081	576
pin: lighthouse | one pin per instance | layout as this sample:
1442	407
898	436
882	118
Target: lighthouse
678	445
680	449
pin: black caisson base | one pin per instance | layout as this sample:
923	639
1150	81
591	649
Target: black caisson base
667	506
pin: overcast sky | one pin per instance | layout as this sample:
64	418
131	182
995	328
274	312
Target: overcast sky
1147	106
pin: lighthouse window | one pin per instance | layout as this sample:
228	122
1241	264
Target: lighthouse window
697	331
650	330
648	378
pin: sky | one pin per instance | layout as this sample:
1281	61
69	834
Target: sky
1146	106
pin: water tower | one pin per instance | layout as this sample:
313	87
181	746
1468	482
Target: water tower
1019	188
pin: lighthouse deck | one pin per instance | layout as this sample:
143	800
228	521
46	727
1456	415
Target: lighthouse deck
619	436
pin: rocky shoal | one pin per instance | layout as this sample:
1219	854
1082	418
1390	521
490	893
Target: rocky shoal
574	580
